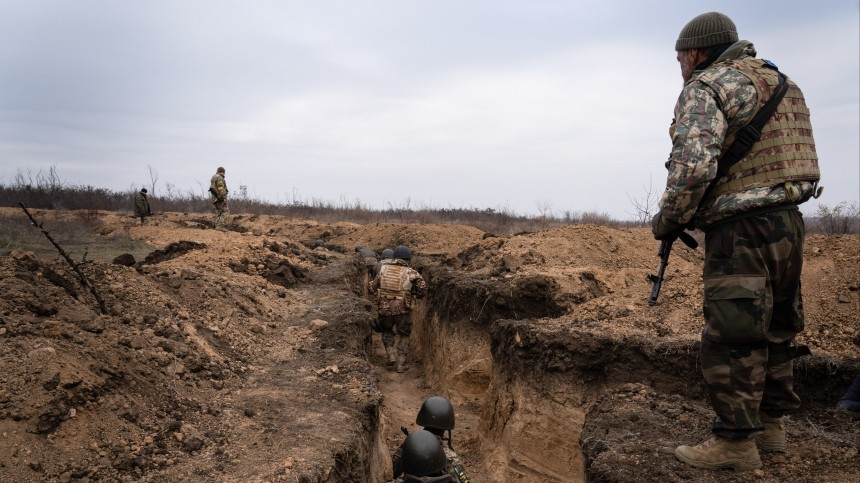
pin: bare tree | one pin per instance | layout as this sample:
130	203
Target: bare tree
153	178
644	207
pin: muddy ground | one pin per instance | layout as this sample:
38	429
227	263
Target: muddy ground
246	355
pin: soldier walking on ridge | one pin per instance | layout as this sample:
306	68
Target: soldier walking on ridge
218	196
397	286
745	200
141	206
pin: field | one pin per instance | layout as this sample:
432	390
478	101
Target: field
246	355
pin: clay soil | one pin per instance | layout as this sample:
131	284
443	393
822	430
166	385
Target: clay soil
246	354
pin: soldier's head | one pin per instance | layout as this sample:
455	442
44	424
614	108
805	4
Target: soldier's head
436	415
221	171
423	455
387	253
704	37
402	253
143	190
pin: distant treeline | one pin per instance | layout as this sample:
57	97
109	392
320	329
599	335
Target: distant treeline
46	191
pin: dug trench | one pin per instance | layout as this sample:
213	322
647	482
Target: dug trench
247	356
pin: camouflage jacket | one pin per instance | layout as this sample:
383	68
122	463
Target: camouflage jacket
396	286
714	105
218	184
141	205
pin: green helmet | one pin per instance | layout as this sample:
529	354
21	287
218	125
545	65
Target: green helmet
436	412
423	454
402	252
387	253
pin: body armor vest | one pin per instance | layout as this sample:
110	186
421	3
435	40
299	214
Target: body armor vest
395	283
786	150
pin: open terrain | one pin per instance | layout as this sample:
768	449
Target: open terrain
246	355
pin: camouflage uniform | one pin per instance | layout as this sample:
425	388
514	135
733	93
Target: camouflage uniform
754	235
397	287
368	258
141	206
218	196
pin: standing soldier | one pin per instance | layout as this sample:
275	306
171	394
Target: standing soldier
397	286
141	206
753	234
218	191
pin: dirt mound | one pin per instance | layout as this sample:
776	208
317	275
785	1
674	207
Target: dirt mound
246	355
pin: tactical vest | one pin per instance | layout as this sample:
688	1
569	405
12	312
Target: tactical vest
395	284
786	150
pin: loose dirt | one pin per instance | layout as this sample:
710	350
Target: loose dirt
246	355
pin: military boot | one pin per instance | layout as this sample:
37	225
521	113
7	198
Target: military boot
773	437
716	453
401	364
392	357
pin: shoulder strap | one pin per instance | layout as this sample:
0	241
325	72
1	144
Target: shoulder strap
748	135
751	133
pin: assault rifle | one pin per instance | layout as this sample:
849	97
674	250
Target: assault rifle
663	253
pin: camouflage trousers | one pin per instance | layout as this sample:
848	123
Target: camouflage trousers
221	213
753	309
396	325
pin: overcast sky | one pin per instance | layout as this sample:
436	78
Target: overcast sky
518	105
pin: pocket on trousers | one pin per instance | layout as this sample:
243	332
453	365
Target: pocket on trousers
737	308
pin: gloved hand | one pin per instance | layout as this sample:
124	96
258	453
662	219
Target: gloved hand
663	227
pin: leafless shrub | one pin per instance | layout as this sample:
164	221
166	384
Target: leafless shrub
46	190
838	220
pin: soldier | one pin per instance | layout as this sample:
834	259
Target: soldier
423	460
753	235
368	257
437	416
386	258
141	206
397	286
218	196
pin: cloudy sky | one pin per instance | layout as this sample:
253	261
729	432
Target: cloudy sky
525	105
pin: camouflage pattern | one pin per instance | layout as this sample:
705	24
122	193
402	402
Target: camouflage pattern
141	207
393	325
753	309
397	300
396	285
714	104
219	203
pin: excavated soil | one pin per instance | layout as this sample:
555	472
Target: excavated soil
246	355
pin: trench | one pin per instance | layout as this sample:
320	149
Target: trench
538	403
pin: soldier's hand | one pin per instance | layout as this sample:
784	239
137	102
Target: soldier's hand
663	228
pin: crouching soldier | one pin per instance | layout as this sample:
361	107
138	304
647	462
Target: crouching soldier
423	460
368	258
436	416
397	286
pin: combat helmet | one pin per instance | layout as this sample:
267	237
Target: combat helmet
436	412
402	252
220	170
423	454
387	253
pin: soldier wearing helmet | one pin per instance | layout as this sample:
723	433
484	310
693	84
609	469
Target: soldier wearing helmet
218	196
397	287
423	460
369	258
436	416
385	258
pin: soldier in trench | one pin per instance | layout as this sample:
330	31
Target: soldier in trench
397	286
423	460
436	416
754	234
